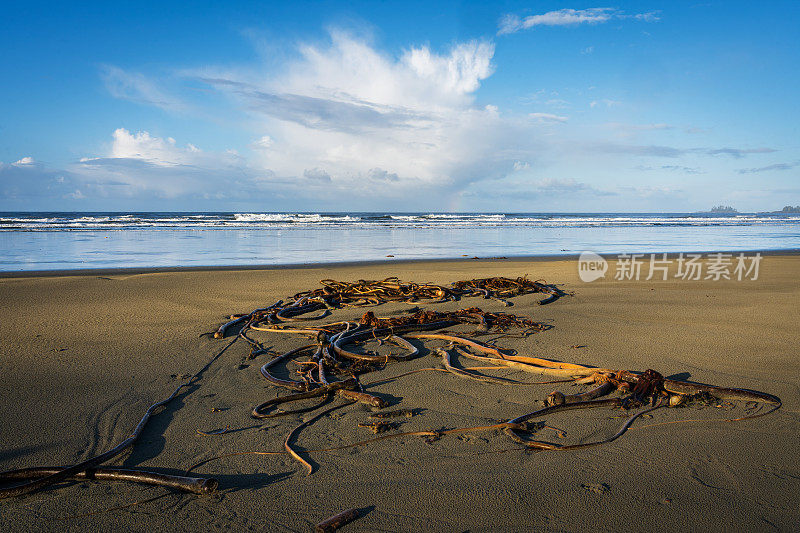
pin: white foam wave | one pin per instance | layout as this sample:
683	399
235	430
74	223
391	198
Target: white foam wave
105	221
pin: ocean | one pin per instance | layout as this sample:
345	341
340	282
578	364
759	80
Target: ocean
67	241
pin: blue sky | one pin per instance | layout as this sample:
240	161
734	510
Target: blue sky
412	106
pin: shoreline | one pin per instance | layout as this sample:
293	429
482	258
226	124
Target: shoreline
344	264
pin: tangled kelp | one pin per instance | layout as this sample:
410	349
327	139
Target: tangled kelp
334	367
338	294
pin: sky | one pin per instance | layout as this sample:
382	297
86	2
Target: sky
399	106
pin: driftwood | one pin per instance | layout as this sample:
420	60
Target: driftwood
196	485
50	476
338	520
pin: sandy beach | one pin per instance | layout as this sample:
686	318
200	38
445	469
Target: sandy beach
83	356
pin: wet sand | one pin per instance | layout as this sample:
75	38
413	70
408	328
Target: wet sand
82	356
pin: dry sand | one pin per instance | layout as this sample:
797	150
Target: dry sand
82	356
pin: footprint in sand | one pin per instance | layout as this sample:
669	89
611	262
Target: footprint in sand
597	488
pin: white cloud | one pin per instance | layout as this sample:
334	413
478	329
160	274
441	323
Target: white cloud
349	109
24	161
547	117
263	143
567	17
140	164
151	149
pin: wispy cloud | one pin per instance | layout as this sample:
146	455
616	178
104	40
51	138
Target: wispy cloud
635	149
671	151
776	166
622	126
512	23
339	113
738	153
139	88
547	117
673	168
608	103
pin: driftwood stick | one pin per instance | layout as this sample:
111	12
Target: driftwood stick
338	520
195	485
70	471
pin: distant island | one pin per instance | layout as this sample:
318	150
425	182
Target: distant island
724	210
719	210
728	210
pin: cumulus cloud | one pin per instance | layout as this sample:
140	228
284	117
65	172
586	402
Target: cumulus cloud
141	164
512	23
24	161
353	111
